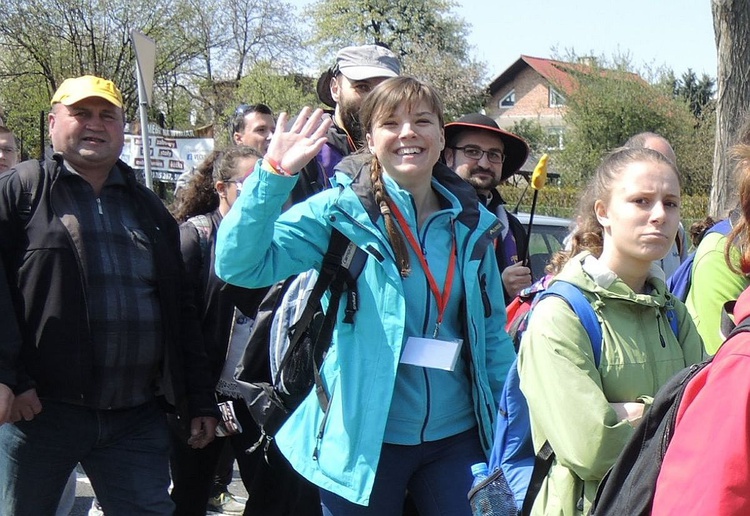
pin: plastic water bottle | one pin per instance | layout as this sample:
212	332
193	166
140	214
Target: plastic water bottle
492	498
480	472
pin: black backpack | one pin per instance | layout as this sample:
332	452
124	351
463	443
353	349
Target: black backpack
629	486
302	344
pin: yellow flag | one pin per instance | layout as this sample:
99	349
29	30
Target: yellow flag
539	177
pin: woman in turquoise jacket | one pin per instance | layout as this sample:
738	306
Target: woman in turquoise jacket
413	381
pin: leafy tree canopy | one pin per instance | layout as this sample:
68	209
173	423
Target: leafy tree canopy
610	104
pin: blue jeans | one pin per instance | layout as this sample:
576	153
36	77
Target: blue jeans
437	475
125	454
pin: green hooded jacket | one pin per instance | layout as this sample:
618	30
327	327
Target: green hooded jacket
569	398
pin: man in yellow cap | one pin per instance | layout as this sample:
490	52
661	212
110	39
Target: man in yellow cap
106	322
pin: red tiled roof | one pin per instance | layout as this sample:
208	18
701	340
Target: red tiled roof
556	72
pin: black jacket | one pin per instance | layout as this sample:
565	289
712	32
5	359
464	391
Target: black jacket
47	282
215	299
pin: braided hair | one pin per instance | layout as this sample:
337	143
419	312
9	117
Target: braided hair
383	101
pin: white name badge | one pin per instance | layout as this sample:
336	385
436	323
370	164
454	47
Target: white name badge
433	353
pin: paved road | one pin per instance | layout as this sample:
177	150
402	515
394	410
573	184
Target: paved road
85	495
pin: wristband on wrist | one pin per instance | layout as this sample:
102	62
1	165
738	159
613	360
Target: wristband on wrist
275	167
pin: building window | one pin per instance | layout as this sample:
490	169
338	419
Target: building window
555	99
509	100
555	138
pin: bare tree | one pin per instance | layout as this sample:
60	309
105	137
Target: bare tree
732	32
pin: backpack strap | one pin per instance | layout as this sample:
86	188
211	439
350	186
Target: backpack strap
673	322
724	227
30	173
581	306
351	261
542	465
203	225
342	264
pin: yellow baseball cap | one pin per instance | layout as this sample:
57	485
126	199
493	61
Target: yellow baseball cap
79	88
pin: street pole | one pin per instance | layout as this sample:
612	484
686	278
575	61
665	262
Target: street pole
143	111
145	56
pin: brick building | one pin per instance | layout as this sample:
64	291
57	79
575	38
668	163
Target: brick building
532	88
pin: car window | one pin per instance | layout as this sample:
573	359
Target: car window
545	240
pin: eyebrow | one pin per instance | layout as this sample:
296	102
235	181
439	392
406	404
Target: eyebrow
492	149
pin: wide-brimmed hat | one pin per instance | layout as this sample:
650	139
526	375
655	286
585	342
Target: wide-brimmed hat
357	64
79	88
516	149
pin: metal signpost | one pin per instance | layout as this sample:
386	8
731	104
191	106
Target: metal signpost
145	60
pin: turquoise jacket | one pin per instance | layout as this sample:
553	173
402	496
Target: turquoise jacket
258	245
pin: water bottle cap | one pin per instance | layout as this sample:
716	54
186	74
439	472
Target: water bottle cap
479	468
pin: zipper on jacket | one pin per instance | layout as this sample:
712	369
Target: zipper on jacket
480	399
321	430
99	206
427	404
485	296
659	326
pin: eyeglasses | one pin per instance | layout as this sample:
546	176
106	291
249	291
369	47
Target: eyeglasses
243	109
475	153
237	184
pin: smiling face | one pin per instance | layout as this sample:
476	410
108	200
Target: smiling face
640	218
89	134
407	142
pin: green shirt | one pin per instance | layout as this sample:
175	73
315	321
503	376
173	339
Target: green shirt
713	284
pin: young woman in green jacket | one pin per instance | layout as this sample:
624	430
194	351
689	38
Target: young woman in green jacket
628	218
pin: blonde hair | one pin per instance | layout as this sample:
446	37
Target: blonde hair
589	233
739	238
383	101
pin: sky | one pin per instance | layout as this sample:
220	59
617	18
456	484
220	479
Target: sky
677	34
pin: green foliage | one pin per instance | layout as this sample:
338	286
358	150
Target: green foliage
698	93
280	92
539	139
563	202
24	107
398	24
266	85
609	106
201	46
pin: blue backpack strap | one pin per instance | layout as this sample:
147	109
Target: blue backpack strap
672	318
724	227
582	308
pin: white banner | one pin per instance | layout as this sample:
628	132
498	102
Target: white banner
170	157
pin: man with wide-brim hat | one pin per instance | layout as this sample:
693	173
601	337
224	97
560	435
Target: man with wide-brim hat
343	87
485	155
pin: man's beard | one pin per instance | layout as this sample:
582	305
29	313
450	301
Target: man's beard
482	183
350	119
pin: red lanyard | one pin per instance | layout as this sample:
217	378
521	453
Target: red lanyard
440	299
